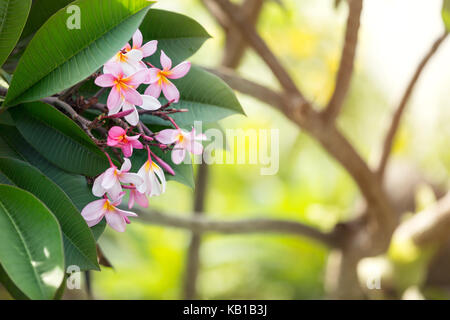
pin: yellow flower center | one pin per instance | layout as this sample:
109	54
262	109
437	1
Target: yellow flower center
122	83
162	76
121	57
108	206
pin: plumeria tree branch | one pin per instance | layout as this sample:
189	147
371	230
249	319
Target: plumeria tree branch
345	71
201	224
429	226
260	92
399	111
234	15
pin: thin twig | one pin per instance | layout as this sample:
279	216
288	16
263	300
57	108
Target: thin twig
258	44
260	92
396	118
345	71
429	226
203	224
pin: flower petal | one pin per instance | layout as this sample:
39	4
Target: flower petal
178	155
113	68
180	70
153	75
132	96
116	221
94	222
115	192
155	186
126	166
134	55
116	132
137	39
167	136
141	199
109	178
125	213
194	147
132	118
149	48
143	174
131	199
136	144
127	150
153	90
150	103
137	78
131	178
170	91
105	80
166	63
97	189
94	210
114	99
160	174
115	110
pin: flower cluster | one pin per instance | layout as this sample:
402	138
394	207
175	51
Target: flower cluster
124	74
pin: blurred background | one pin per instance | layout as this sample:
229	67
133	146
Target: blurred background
310	187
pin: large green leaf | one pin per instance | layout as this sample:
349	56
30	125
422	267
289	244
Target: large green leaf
446	14
13	15
79	243
58	57
40	11
31	250
59	139
10	286
178	35
207	98
75	186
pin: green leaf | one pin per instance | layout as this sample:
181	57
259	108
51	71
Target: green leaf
207	98
40	11
31	250
178	35
446	14
58	57
59	139
10	286
75	186
79	243
13	16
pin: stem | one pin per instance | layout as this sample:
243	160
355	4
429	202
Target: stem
173	122
109	159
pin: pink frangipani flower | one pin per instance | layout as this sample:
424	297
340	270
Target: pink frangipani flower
110	180
117	137
153	176
94	212
159	79
123	88
183	141
147	49
129	60
129	57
